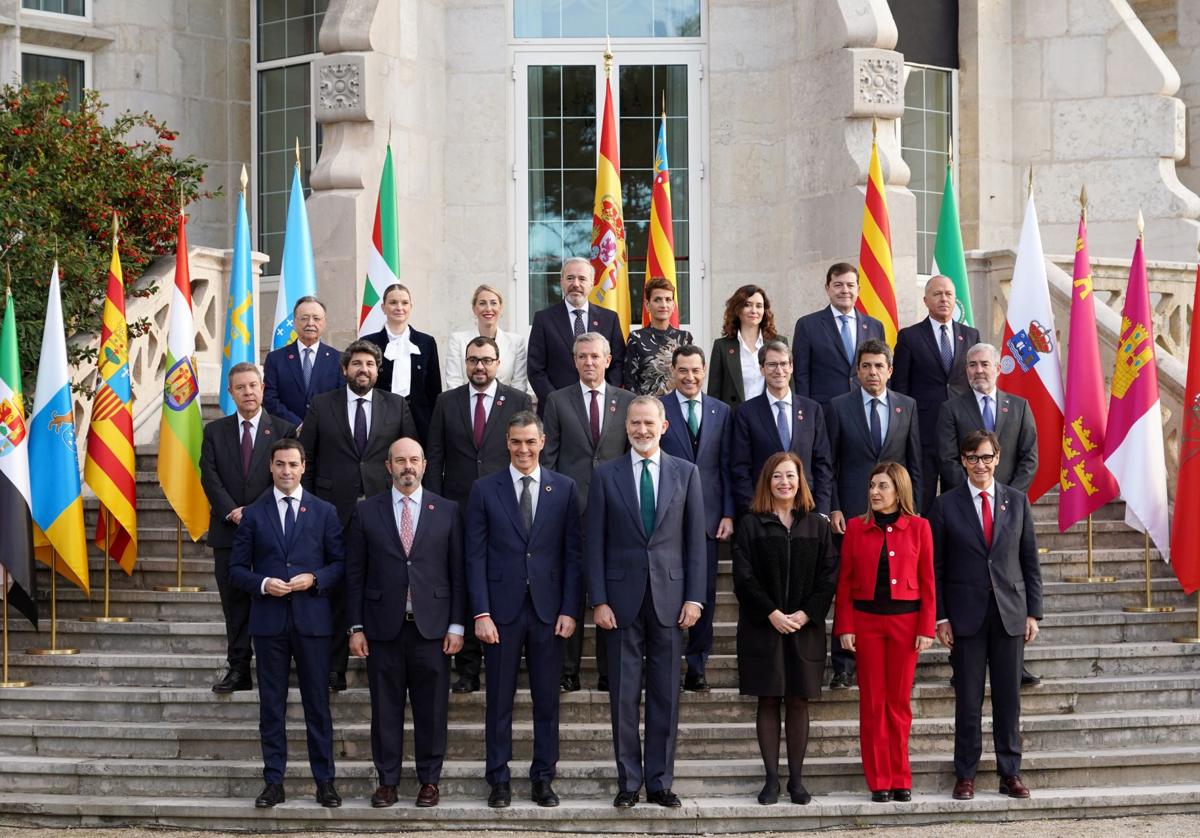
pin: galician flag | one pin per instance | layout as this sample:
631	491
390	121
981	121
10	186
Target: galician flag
297	274
1185	528
610	256
181	430
876	279
1133	448
660	255
383	264
16	525
1029	359
948	258
55	491
239	344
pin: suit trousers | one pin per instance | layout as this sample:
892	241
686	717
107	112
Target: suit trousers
408	667
661	647
573	646
273	655
543	658
235	606
700	636
887	662
339	648
467	661
993	651
931	465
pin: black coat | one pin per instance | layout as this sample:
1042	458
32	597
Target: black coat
426	381
787	570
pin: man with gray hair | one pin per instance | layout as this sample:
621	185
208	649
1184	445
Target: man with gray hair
302	369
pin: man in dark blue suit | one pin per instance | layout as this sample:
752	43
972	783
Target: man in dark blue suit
288	556
825	341
780	420
700	430
293	374
550	362
524	555
406	603
646	577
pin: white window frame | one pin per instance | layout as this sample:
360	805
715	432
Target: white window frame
57	52
57	16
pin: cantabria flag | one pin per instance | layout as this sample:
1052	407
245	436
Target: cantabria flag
383	265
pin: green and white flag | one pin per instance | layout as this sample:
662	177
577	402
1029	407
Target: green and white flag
948	258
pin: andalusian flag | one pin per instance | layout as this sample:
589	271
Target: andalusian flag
109	467
16	525
610	258
239	345
56	496
383	265
660	255
181	430
297	273
876	280
948	257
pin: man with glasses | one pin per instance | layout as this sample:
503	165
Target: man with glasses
467	440
305	368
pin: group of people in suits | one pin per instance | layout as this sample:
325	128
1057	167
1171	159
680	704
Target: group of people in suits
462	524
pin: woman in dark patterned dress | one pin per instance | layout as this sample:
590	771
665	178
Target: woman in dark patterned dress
648	352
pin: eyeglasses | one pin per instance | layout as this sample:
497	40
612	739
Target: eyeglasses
777	365
472	361
972	459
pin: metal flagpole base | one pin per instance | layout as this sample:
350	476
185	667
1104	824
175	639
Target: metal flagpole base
91	619
179	589
1087	579
1148	609
1192	640
12	685
59	651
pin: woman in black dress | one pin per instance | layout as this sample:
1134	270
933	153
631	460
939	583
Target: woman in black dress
784	575
648	352
410	365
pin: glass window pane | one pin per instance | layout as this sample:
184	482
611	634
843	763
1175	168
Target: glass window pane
289	28
545	144
54	70
676	18
637	144
545	91
536	18
545	196
579	194
62	7
579	143
636	87
937	90
597	18
582	18
579	91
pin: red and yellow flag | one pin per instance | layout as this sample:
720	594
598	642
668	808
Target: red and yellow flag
610	257
660	254
109	466
876	280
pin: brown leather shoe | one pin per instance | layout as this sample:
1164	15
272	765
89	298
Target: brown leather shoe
427	796
964	789
1013	787
383	797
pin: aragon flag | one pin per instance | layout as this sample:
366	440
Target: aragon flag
1185	529
876	279
660	255
16	525
610	256
383	263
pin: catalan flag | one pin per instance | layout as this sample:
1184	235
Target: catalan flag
876	279
239	345
109	466
181	430
383	263
660	255
16	525
610	256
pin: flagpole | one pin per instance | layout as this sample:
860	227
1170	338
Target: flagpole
107	618
179	587
1090	576
1149	607
53	650
4	682
1195	638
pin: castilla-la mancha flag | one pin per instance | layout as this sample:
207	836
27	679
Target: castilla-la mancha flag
1029	358
876	279
610	254
1185	528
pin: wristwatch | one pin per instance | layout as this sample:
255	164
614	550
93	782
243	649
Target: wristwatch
353	630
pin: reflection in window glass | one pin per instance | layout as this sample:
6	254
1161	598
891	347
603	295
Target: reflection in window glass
597	18
925	136
55	69
61	7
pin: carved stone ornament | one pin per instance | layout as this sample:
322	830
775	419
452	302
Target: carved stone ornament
340	81
878	86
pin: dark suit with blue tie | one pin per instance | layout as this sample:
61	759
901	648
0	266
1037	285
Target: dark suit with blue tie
551	358
285	393
756	437
297	627
524	578
856	451
709	451
821	367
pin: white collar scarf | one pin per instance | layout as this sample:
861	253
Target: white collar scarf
400	348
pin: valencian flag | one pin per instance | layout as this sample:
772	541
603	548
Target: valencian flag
610	257
1084	483
109	466
297	273
948	257
660	255
383	263
876	279
1185	529
1029	357
239	345
16	525
1133	447
181	430
56	496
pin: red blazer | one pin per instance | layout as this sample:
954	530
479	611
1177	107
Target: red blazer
910	558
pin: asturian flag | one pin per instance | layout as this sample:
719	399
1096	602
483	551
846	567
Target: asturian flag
383	264
239	345
16	525
297	273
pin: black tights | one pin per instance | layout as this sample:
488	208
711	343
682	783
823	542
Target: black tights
797	736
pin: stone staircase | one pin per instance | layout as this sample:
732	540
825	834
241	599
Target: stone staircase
128	732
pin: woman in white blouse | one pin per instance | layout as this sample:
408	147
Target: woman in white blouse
410	358
487	304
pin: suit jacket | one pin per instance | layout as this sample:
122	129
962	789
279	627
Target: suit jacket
260	550
379	573
918	372
335	472
1014	427
820	367
454	463
569	448
725	372
853	454
221	474
965	567
426	382
551	339
622	560
710	453
513	359
910	567
504	560
284	393
756	438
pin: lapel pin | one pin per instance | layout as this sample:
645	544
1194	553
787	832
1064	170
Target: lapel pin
500	400
732	350
304	509
266	431
595	322
960	337
429	507
291	357
1004	410
899	410
612	408
549	488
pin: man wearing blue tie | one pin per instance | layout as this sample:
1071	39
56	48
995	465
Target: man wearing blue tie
307	367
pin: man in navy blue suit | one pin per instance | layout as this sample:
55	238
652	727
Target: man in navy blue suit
307	367
288	556
825	341
700	430
646	578
550	362
524	556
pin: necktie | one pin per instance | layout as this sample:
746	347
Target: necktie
480	420
986	514
989	418
247	446
646	496
289	518
847	338
306	366
693	419
527	503
594	417
578	321
781	422
360	427
876	426
947	352
406	525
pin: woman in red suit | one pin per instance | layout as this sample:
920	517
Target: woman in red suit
887	576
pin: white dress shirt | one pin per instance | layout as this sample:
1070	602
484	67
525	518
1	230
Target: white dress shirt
883	411
683	406
753	381
281	507
514	353
399	351
937	333
518	486
587	402
978	504
254	421
772	401
352	408
414	511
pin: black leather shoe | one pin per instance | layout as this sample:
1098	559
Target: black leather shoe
840	681
626	799
902	795
337	682
1028	679
664	797
569	683
501	796
696	683
465	685
543	795
799	794
233	682
881	796
602	684
271	795
383	797
769	795
327	795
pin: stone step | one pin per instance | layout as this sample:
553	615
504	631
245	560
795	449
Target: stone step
1105	534
1045	509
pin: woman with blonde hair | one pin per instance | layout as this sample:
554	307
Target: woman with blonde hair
487	305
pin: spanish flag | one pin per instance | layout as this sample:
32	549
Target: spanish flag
610	256
876	280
